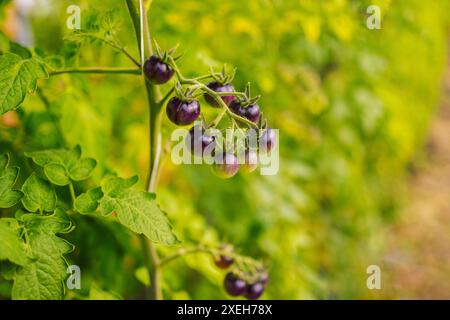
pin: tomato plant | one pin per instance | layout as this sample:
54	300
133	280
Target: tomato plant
351	110
32	249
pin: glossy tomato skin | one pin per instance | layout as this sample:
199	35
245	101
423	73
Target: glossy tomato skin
182	112
251	112
223	262
157	71
233	285
254	291
264	278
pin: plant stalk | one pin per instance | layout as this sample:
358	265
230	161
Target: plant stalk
153	97
98	71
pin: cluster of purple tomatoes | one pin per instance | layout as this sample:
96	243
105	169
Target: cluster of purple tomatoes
185	111
235	283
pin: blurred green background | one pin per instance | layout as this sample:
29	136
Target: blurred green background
353	107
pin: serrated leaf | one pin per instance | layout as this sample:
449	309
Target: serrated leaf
63	165
83	169
107	205
18	77
57	174
39	195
88	202
42	277
45	157
8	177
12	247
114	186
138	211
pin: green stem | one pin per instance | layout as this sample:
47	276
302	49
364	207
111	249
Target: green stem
134	14
98	71
214	252
72	192
215	95
115	46
218	119
206	76
236	94
166	97
182	252
153	97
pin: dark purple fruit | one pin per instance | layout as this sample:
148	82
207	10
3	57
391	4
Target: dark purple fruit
251	112
233	285
264	278
223	262
225	165
197	140
157	71
254	291
218	87
250	161
267	140
182	112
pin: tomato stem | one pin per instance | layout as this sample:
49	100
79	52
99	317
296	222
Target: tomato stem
98	71
73	195
140	22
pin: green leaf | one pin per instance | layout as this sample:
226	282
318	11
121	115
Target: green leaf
62	165
39	195
42	158
88	202
8	177
42	278
136	210
18	77
114	186
83	169
57	174
12	247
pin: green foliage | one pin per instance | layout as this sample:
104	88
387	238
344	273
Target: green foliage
38	195
88	202
62	166
42	277
19	77
136	210
8	177
11	247
30	240
352	106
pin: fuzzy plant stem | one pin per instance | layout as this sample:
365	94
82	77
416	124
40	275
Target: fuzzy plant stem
140	23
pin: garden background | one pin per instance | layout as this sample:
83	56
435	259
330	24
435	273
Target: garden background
354	107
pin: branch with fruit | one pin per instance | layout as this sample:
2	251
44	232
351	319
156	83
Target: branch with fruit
135	209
